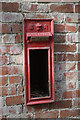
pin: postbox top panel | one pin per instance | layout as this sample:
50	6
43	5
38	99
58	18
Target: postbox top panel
38	27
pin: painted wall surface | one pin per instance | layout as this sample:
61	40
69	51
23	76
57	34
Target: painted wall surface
66	15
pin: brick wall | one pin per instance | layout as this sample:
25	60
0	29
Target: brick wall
66	15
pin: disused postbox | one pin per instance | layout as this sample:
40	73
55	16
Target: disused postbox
38	60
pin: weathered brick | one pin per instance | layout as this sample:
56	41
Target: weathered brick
10	7
71	85
8	91
18	38
77	8
60	104
17	69
79	28
59	38
15	49
73	37
70	66
69	113
28	109
16	59
49	114
0	38
16	28
78	47
43	8
4	59
28	7
72	57
12	17
71	75
58	18
76	102
59	28
15	109
78	93
64	48
79	66
70	28
19	89
65	8
3	81
59	57
11	49
8	38
55	1
15	79
14	100
72	17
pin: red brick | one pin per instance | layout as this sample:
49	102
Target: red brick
3	80
59	28
27	109
15	79
72	57
6	28
64	28
70	28
64	48
79	66
67	94
10	7
79	28
16	28
14	100
60	104
8	91
77	93
18	38
60	57
49	114
77	8
59	38
33	8
65	8
69	113
19	89
4	70
37	108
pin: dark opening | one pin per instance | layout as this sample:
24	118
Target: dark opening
39	73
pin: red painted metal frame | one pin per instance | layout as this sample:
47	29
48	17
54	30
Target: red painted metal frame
28	45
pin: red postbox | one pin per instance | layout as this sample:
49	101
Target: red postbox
38	60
